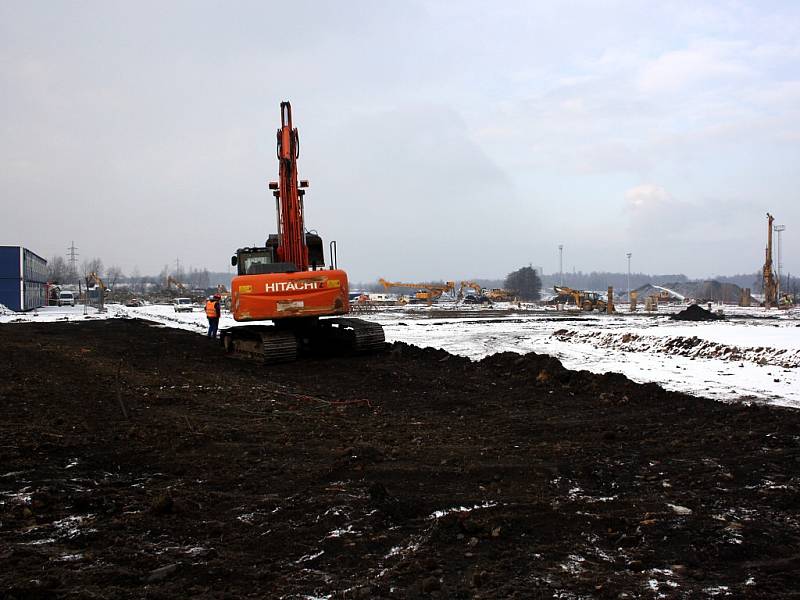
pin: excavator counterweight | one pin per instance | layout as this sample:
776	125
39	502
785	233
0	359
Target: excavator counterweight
287	282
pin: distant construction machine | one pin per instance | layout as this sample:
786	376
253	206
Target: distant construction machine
287	282
584	300
172	281
500	295
477	297
101	292
770	284
426	292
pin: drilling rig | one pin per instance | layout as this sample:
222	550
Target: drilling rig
770	285
287	282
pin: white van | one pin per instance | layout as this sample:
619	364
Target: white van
183	305
66	299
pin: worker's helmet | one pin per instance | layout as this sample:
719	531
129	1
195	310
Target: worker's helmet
217	296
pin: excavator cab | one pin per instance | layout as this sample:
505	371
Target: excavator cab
257	261
260	260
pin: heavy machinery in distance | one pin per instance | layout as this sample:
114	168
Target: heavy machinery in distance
172	281
287	282
101	291
770	284
478	297
584	300
500	295
426	292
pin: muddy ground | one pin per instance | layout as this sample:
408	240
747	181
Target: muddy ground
408	474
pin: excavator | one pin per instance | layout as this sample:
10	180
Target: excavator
584	300
477	297
101	294
172	281
426	292
287	282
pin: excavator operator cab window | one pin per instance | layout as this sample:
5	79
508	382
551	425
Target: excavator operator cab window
252	264
262	261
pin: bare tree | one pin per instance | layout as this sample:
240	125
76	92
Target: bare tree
57	270
136	280
198	278
163	275
113	273
95	265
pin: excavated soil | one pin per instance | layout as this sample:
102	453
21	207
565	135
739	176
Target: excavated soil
138	461
695	312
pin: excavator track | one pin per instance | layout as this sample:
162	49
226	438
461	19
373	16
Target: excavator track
361	336
279	347
261	343
273	345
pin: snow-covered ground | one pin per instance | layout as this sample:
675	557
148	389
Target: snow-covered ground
741	360
753	355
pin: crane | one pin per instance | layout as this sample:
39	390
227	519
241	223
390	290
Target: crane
287	282
425	291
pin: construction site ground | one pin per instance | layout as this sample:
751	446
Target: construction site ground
139	461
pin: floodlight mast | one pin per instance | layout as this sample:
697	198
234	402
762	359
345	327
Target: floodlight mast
778	229
629	275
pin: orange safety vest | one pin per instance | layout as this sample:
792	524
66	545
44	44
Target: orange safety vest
211	309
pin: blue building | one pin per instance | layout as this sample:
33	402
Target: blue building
23	278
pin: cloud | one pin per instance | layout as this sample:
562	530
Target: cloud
696	66
146	131
412	175
647	196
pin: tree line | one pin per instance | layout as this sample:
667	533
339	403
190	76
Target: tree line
62	272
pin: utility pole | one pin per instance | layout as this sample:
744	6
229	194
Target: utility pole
778	254
629	276
561	264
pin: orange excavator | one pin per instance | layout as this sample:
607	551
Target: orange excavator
287	282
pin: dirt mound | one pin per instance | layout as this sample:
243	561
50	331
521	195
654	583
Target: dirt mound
695	312
408	474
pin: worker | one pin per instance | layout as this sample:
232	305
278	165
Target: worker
213	313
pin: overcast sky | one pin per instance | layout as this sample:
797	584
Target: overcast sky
442	139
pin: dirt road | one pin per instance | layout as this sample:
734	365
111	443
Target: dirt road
408	474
